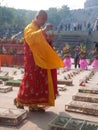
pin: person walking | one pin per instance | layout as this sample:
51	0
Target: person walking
38	88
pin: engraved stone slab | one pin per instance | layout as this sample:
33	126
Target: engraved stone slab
58	123
82	107
61	87
88	125
86	97
68	82
12	117
1	82
69	123
5	78
15	83
89	89
5	89
72	124
3	73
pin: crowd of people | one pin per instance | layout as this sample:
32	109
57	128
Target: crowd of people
76	26
80	57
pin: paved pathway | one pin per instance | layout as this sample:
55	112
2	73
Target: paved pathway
38	120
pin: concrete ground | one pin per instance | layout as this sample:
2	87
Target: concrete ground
39	120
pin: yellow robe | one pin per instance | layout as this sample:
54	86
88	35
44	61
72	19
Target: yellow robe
44	56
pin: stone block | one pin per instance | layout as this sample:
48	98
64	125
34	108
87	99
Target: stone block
12	117
86	97
15	83
93	90
68	82
82	107
5	89
5	78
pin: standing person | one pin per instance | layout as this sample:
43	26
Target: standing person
83	54
95	60
67	57
77	56
38	88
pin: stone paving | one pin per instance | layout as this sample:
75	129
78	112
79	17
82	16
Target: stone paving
38	120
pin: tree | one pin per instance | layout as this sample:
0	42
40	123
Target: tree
63	11
53	16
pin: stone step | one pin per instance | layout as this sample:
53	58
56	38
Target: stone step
85	97
15	83
12	117
5	78
82	107
61	87
88	89
5	89
68	82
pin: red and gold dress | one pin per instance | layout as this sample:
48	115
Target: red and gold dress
39	83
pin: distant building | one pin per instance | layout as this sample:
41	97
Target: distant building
91	4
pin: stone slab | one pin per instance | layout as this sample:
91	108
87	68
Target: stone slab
69	123
88	125
74	124
68	82
61	87
89	89
85	97
12	117
5	89
1	82
82	107
15	83
4	73
5	78
58	123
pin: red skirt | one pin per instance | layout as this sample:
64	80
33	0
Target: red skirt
34	86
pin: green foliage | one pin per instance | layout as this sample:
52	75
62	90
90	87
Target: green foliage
53	16
63	12
11	16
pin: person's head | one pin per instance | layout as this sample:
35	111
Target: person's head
77	48
41	18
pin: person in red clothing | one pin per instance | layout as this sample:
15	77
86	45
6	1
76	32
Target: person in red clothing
38	88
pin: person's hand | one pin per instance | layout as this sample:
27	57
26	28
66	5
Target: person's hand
47	27
50	36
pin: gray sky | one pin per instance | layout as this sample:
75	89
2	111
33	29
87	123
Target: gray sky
42	4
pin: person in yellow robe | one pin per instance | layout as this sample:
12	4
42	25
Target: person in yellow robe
38	88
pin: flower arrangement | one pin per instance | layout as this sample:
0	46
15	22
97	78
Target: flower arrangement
66	50
83	51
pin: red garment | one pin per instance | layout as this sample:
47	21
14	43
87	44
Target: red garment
34	86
